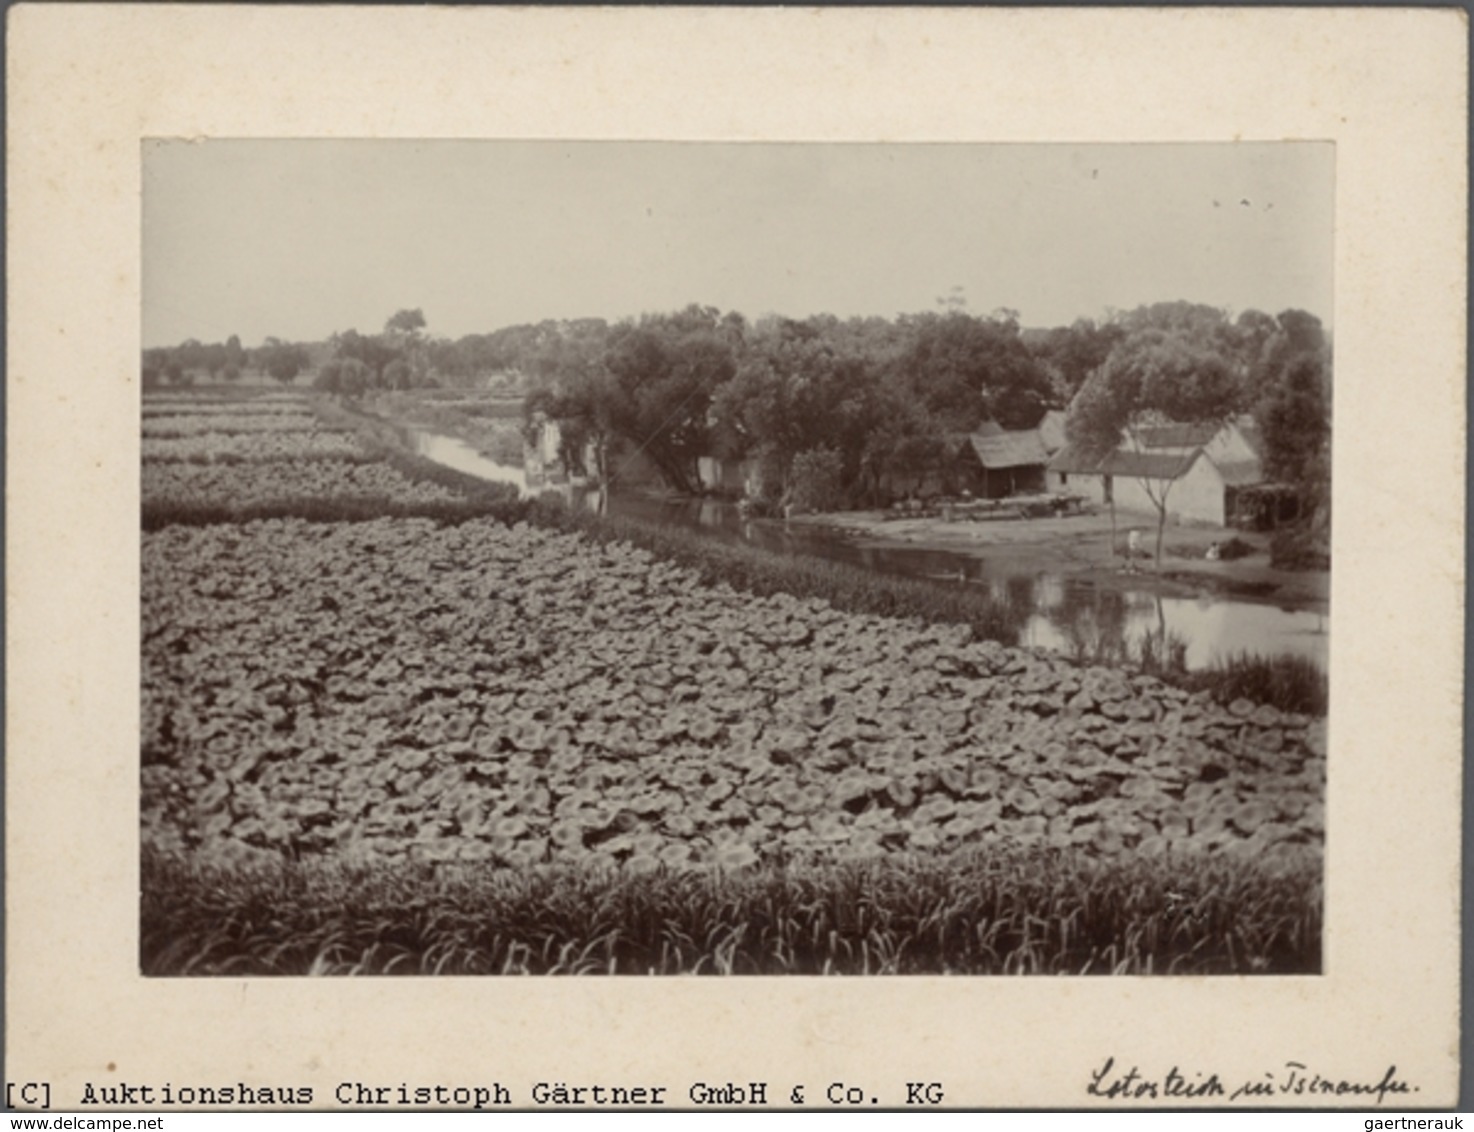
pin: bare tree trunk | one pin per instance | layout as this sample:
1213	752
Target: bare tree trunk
1161	505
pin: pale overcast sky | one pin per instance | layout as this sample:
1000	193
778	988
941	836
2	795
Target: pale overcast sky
299	239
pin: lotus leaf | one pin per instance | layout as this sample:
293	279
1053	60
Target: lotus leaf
734	855
901	793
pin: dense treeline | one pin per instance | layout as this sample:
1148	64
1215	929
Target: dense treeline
849	412
832	412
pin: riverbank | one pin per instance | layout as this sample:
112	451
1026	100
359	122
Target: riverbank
492	428
1079	547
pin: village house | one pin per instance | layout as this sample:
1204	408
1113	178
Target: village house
1203	470
1008	462
1000	462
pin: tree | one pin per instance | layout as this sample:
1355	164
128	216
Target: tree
1291	394
1153	377
665	371
215	358
397	374
571	385
370	349
1279	343
1072	353
452	361
795	393
815	481
155	367
191	354
1294	420
354	378
406	322
282	360
580	405
404	334
346	377
329	377
966	369
1254	330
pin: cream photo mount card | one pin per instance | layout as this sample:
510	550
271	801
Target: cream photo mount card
96	93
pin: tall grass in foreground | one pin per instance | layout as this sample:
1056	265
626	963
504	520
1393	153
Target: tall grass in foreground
1285	681
1003	912
1288	682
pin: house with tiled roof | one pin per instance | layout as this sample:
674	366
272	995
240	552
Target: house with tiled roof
1202	470
995	463
1010	463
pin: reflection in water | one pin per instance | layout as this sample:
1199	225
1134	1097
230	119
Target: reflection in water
1069	615
1090	623
1107	622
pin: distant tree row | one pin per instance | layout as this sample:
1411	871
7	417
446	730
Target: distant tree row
398	358
183	364
844	409
179	364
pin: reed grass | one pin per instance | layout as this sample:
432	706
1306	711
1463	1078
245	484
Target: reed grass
1288	682
1002	912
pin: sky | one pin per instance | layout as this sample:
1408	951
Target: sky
299	239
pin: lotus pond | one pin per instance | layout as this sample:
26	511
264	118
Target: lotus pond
456	744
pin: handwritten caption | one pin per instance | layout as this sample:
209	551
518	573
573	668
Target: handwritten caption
1293	1079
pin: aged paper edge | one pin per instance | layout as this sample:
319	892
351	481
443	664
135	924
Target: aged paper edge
87	83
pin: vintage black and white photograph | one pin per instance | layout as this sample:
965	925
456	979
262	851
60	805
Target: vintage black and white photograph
657	558
791	494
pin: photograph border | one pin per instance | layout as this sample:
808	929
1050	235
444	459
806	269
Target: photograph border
86	84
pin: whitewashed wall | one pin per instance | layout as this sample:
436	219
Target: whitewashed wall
1197	497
